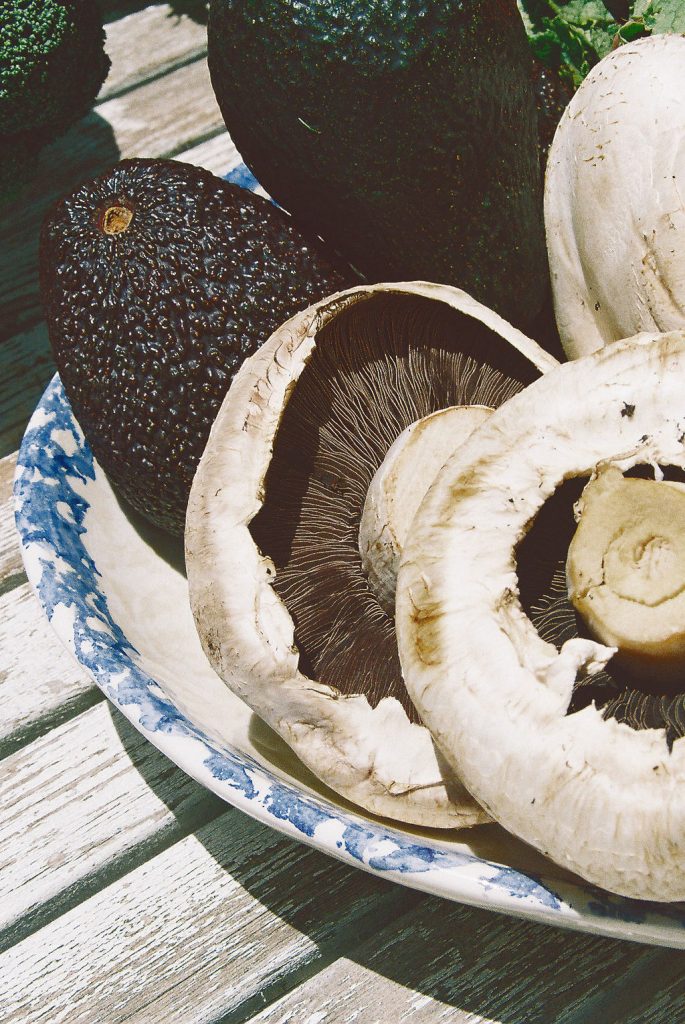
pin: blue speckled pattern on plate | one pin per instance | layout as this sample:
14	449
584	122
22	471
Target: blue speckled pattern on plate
68	519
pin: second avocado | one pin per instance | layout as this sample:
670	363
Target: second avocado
402	132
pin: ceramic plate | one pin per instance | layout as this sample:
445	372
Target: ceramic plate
115	592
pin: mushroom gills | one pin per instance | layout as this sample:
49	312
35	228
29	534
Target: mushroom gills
400	484
617	576
378	366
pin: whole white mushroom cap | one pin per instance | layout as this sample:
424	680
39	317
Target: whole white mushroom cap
615	198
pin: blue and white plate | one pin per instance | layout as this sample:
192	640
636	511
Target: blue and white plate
115	592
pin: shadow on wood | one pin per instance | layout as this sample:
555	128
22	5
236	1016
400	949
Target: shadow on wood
195	9
86	149
26	357
113	10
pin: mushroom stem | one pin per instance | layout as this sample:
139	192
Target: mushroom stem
626	571
399	486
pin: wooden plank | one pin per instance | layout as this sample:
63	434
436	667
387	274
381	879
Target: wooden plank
162	118
26	366
80	807
41	683
11	565
147	44
652	992
447	963
202	933
217	155
112	10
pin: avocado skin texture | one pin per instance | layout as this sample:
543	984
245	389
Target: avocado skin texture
403	132
149	324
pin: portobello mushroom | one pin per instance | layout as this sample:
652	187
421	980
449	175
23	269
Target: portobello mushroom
598	786
285	610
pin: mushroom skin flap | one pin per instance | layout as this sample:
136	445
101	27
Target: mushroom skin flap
267	493
596	795
626	570
615	198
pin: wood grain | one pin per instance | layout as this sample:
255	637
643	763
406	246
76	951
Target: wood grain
447	963
157	101
40	692
41	683
11	565
81	806
206	931
217	154
148	44
26	366
652	991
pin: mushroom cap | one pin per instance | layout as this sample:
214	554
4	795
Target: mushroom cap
373	756
398	488
596	795
614	198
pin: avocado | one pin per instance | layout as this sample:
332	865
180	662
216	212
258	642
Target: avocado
402	132
158	279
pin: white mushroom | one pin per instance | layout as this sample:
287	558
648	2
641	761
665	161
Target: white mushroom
602	797
626	571
615	198
399	486
283	608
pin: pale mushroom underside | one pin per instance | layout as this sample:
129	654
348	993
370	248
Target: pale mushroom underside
596	795
372	755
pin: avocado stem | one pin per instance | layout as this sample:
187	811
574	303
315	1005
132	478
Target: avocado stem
116	219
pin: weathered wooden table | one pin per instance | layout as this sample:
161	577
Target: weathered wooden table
129	893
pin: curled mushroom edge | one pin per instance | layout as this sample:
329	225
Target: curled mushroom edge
373	756
596	795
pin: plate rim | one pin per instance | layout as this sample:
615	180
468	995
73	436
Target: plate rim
367	843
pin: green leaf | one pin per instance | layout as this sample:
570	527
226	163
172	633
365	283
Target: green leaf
573	36
669	16
569	36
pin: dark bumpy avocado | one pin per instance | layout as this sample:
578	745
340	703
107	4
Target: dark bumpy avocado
403	132
158	280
